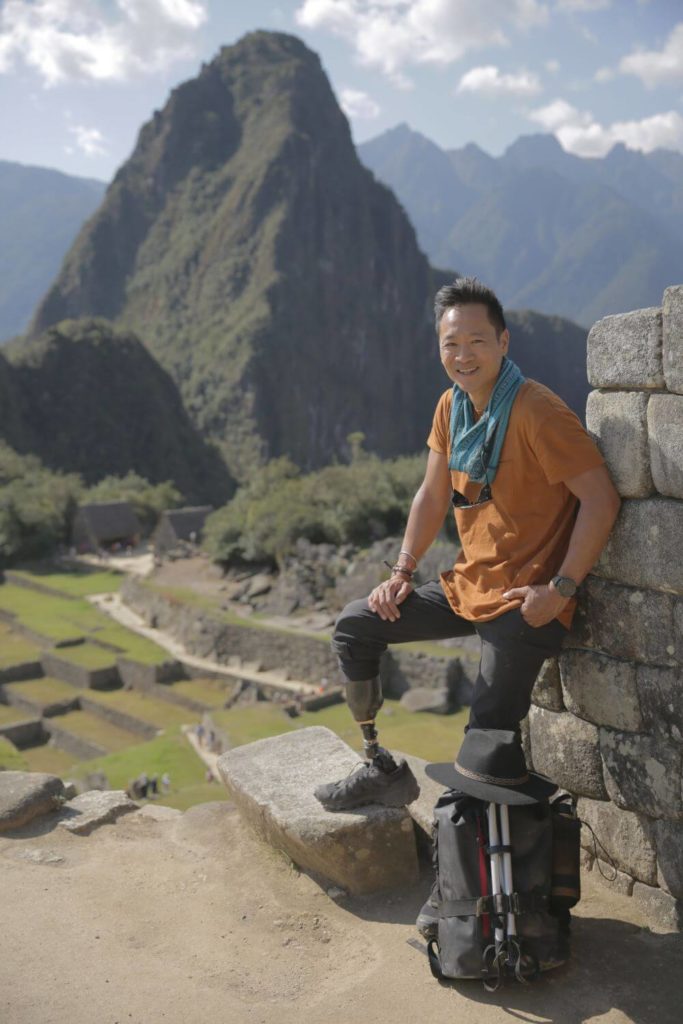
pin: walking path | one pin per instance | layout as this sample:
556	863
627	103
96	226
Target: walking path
115	607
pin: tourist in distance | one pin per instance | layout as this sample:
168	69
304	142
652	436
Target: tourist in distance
533	505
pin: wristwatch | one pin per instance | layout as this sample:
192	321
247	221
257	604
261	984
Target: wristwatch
565	585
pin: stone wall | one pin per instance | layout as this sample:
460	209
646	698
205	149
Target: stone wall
607	718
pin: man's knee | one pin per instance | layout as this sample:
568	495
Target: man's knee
349	621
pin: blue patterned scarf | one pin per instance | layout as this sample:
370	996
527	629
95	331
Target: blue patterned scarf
476	447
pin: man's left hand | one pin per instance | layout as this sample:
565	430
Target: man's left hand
539	604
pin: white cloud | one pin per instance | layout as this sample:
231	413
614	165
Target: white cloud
358	106
604	75
488	81
581	134
391	34
90	39
654	67
553	66
89	140
583	5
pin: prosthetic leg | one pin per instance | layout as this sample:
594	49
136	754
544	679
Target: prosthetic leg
380	779
364	699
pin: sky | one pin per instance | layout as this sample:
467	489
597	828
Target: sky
78	78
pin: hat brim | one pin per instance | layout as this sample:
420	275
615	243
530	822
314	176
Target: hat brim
538	787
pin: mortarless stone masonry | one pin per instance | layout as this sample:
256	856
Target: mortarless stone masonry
619	743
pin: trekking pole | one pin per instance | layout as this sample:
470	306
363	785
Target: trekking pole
496	865
507	865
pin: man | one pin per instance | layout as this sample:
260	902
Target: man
533	505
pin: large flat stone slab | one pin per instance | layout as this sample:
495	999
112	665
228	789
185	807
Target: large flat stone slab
94	808
272	781
27	795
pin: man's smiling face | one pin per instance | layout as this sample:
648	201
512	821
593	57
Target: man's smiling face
471	352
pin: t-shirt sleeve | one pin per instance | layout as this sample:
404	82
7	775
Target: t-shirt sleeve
563	446
438	437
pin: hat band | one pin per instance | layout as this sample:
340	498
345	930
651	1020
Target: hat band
492	779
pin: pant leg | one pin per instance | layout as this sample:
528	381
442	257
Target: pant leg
512	654
361	636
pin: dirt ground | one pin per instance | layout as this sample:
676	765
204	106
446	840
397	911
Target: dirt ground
193	919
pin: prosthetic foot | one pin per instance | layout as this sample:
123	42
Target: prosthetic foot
381	780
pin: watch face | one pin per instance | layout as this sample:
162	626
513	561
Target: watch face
565	586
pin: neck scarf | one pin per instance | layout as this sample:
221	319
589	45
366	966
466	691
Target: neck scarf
476	446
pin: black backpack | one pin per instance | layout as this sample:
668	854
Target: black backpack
517	932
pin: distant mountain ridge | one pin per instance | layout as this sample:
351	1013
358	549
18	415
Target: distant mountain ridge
41	212
548	230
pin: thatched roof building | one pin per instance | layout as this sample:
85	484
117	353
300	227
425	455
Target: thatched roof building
103	524
179	526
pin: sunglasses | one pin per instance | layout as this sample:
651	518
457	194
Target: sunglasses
460	501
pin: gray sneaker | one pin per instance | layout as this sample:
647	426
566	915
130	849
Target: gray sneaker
370	784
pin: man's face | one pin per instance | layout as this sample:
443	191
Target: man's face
471	353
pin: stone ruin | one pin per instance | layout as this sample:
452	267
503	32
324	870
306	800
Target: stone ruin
607	716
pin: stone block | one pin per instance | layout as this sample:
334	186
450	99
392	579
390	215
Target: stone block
424	699
272	781
627	838
600	689
672	337
664	912
27	795
618	423
547	691
94	808
629	623
669	843
643	773
678	631
566	749
642	547
625	351
665	433
661	700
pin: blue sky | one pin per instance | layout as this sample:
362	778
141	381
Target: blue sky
79	77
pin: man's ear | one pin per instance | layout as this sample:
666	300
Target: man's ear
504	340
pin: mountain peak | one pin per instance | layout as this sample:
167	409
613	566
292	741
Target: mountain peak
537	148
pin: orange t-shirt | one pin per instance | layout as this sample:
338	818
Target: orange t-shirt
521	536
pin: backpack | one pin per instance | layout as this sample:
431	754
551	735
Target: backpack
487	928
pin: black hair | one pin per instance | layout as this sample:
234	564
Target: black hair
467	291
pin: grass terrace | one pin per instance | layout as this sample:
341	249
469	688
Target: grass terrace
14	649
170	753
91	727
209	691
153	710
43	691
77	582
62	618
87	656
10	715
11	759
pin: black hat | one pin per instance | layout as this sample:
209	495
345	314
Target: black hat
490	765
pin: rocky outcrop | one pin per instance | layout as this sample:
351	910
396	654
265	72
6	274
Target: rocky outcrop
27	795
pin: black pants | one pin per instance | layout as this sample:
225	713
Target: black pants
512	652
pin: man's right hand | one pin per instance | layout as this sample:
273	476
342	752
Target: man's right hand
385	599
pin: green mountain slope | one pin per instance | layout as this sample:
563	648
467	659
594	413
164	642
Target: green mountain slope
89	399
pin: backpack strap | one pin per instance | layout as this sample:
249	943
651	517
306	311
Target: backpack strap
515	903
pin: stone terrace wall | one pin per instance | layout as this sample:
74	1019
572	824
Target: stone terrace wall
607	721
